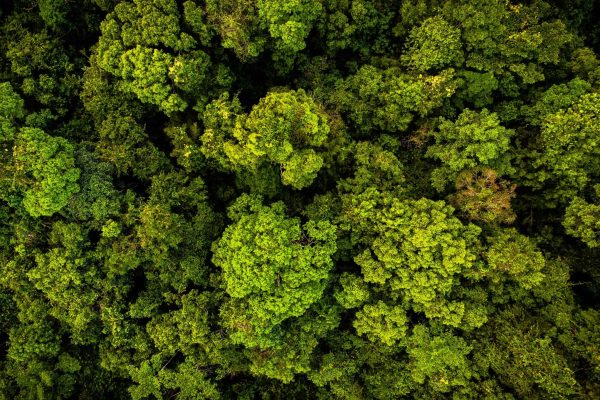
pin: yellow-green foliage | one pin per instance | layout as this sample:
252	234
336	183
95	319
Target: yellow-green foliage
299	199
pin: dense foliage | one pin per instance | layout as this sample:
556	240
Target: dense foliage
298	199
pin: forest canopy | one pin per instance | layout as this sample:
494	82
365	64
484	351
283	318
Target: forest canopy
299	199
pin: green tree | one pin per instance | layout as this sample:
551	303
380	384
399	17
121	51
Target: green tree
45	167
238	25
582	220
43	69
512	41
53	12
390	99
375	167
12	108
439	359
433	45
381	322
289	22
556	98
285	128
564	160
418	252
274	270
155	57
475	139
514	256
526	358
68	280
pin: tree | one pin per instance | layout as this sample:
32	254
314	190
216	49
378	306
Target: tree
363	27
12	108
375	167
185	330
285	128
482	196
251	27
514	256
526	358
390	99
274	270
53	12
475	139
238	25
288	263
417	252
433	45
513	42
144	45
125	145
97	200
381	322
438	359
556	98
43	69
289	22
68	280
33	163
564	160
582	220
174	231
123	140
46	166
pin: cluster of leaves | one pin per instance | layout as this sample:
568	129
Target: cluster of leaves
323	199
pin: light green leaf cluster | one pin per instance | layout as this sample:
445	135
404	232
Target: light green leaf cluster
571	146
556	98
354	291
51	164
582	220
150	23
145	71
390	99
500	37
67	278
381	322
289	21
419	252
285	128
475	139
434	44
515	256
141	43
438	359
273	268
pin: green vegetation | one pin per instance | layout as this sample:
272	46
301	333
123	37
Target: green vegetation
299	199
